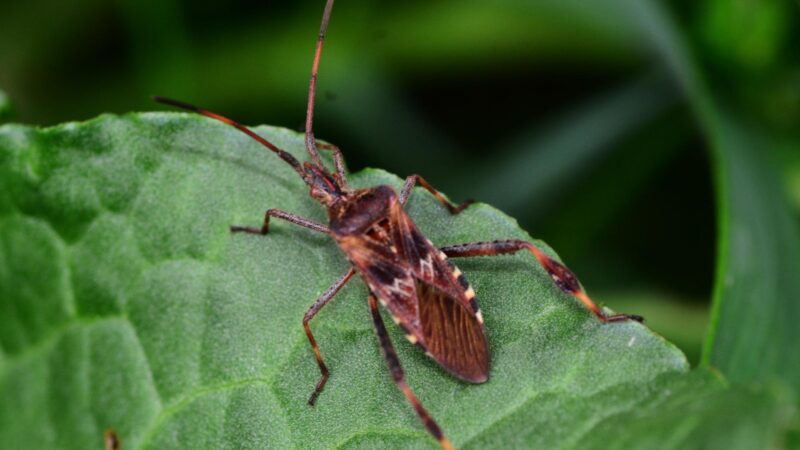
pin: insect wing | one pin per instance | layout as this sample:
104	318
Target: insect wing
385	273
425	294
453	336
450	324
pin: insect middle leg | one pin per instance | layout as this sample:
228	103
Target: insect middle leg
412	180
399	377
560	274
289	217
312	311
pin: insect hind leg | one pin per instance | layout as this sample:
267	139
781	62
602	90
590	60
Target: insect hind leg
412	180
399	376
289	217
559	273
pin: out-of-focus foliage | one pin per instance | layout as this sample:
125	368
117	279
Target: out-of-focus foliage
6	110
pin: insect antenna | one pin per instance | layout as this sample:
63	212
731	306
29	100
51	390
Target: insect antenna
311	143
291	160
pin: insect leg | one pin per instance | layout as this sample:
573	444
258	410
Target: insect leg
338	161
312	311
289	217
561	275
411	180
399	377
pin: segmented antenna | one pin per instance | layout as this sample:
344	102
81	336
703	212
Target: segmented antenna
311	143
282	154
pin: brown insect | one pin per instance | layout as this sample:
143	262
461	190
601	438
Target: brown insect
425	293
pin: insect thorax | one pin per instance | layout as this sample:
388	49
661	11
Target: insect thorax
360	210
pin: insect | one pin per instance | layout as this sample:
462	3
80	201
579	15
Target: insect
426	295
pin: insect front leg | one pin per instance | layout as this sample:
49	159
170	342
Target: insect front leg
559	273
412	180
312	311
399	377
289	217
338	161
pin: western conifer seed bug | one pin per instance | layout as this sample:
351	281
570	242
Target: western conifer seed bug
425	293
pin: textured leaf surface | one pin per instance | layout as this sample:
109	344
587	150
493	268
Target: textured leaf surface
125	303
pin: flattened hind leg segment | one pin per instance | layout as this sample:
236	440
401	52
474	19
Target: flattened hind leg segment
559	273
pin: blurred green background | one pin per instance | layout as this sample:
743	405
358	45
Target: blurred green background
571	116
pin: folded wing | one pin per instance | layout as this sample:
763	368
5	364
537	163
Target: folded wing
452	334
426	295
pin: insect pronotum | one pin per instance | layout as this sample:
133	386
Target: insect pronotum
427	296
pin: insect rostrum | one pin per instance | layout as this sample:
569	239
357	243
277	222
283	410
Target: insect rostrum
425	293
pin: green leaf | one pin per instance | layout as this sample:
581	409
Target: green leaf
684	320
757	287
755	307
125	303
